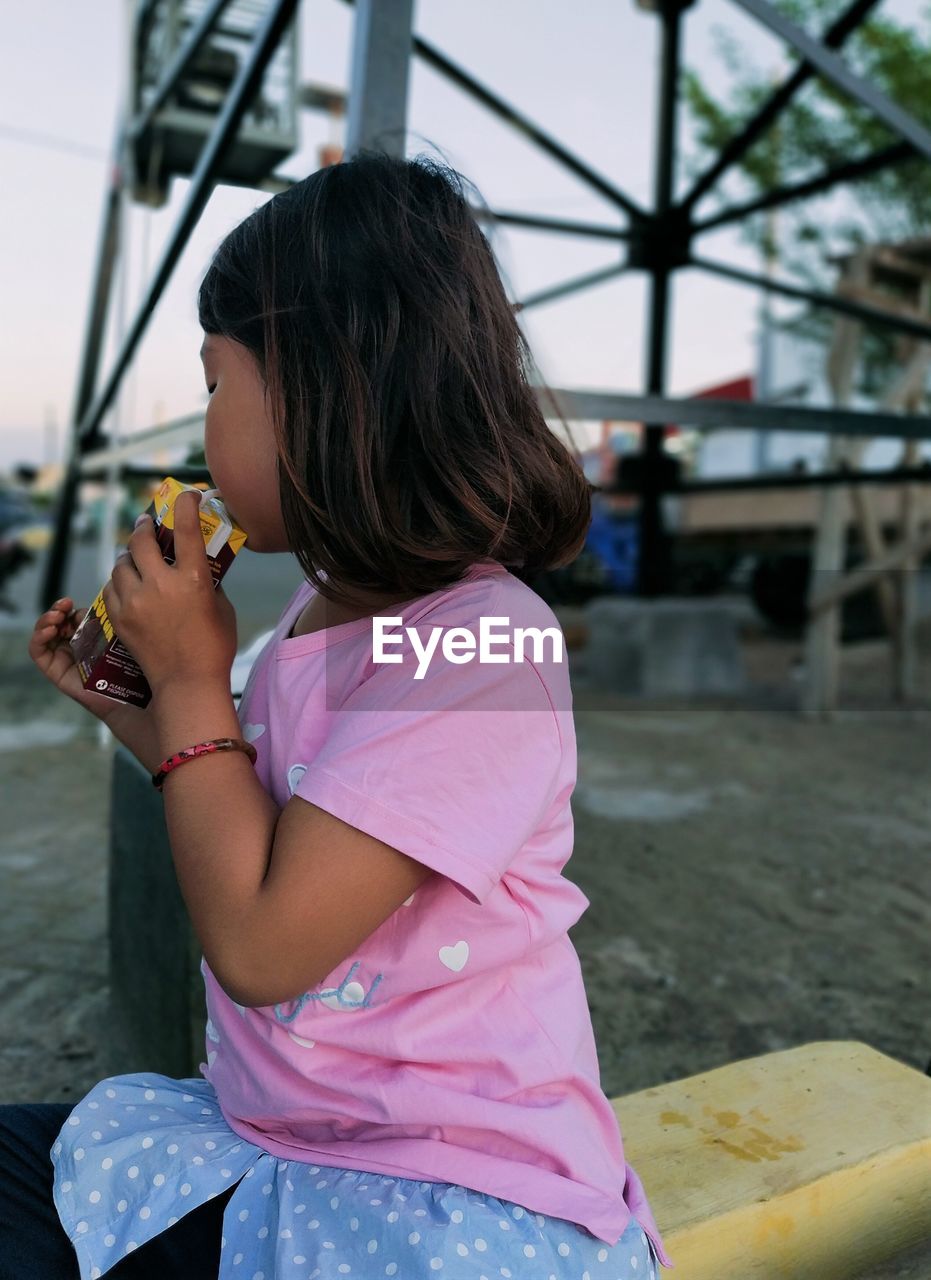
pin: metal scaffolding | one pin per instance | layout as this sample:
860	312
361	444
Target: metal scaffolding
660	241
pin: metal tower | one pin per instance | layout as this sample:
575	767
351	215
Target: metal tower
214	96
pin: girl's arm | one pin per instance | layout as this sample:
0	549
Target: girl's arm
221	824
278	898
275	905
138	732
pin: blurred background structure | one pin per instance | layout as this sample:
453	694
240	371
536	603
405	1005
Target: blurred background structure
760	484
731	224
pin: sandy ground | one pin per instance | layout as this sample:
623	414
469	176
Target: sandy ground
756	881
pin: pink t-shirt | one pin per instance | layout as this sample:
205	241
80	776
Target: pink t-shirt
455	1044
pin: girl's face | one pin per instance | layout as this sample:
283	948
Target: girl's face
239	443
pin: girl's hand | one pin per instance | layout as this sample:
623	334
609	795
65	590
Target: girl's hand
50	651
172	619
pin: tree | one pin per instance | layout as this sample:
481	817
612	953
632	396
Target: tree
821	128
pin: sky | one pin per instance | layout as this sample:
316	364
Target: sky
586	73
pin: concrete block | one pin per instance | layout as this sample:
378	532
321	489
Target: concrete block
679	647
787	1164
157	989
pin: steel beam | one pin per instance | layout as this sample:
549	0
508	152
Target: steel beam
524	125
741	142
571	286
149	471
108	251
381	52
852	171
839	74
701	413
169	435
731	484
532	221
748	415
536	222
654	556
846	306
807	480
499	107
237	103
240	96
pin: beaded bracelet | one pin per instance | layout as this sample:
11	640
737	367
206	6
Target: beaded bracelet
201	749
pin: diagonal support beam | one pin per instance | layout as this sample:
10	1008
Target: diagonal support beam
532	221
538	222
865	575
836	70
852	171
241	94
757	125
240	97
571	286
524	125
834	302
499	107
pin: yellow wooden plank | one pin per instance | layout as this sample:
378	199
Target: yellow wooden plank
811	1162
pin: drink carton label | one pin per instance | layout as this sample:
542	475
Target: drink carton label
104	663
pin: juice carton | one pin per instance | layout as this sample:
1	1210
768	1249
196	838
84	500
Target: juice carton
106	665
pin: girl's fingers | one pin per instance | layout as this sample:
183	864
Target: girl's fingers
46	627
59	609
61	615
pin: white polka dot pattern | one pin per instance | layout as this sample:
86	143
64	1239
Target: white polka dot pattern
298	1221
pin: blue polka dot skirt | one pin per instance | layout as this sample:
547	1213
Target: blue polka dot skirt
140	1151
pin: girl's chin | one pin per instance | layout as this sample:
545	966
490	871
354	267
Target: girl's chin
250	536
257	542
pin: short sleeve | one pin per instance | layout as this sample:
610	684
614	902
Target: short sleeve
457	770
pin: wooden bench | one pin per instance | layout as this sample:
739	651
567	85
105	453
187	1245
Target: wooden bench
813	1162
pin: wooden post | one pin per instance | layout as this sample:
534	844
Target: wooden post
905	656
907	392
874	544
822	636
899	606
915	356
862	576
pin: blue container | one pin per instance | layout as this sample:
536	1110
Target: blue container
614	541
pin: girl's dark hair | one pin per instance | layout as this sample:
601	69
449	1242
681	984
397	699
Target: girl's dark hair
410	442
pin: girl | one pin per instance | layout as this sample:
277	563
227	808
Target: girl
401	1075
